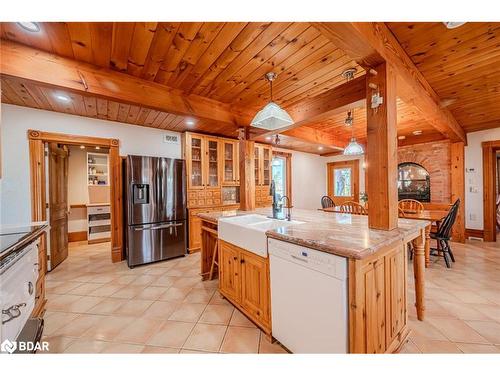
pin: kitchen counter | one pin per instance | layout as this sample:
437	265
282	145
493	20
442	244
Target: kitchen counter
335	233
16	237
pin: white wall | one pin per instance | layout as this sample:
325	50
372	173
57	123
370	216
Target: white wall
308	179
15	122
474	176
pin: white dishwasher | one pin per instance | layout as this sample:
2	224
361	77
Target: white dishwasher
308	298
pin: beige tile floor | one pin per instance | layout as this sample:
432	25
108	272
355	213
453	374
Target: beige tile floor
95	306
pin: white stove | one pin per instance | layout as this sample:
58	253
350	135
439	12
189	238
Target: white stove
18	277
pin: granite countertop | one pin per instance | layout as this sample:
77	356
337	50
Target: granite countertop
15	237
336	233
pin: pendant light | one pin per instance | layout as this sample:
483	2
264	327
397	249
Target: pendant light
353	148
272	116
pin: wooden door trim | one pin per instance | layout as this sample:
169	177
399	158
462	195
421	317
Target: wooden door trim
355	165
288	157
36	141
489	199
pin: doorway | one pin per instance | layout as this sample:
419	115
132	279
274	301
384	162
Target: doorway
343	181
282	174
40	199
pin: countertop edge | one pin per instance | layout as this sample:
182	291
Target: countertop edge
23	242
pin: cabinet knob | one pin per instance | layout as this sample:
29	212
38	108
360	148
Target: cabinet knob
235	258
242	261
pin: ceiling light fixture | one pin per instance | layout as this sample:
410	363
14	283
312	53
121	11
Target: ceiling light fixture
32	27
401	137
453	25
62	98
268	138
272	116
320	148
82	147
189	122
353	148
417	132
97	148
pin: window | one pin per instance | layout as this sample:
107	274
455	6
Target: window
342	182
281	174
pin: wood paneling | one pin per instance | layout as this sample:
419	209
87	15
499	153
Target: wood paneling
77	236
461	65
457	178
381	151
247	175
372	43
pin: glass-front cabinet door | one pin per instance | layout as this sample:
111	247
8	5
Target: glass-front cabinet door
258	158
196	151
266	165
212	163
230	163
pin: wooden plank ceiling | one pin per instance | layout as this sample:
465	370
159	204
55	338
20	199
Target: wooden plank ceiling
462	65
227	62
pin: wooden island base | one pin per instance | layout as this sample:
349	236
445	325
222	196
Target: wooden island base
378	316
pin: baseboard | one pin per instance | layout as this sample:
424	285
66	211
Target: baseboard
99	240
77	236
477	233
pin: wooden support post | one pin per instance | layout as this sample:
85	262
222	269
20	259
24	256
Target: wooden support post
381	153
247	175
458	188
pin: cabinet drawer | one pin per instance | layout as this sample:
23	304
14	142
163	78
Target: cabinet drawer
98	210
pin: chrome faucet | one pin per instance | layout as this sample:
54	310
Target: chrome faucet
288	207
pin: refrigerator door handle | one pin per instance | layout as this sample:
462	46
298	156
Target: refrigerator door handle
163	226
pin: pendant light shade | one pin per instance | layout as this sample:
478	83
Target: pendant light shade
353	148
272	116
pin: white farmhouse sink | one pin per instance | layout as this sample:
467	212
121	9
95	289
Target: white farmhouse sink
249	231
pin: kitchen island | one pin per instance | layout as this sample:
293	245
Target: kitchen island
376	267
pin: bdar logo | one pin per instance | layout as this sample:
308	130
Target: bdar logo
8	346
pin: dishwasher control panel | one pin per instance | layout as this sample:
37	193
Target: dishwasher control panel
332	265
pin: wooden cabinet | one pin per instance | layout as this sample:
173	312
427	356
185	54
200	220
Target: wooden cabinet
202	155
244	281
263	160
378	296
230	163
195	156
230	271
195	224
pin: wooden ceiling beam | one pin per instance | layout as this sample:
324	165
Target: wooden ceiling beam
371	43
347	95
83	78
309	134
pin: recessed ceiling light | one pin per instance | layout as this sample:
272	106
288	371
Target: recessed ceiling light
417	132
82	147
320	148
402	137
189	122
97	148
62	98
32	27
453	25
268	138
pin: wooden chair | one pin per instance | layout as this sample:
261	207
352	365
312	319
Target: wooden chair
401	212
443	235
327	202
354	208
410	205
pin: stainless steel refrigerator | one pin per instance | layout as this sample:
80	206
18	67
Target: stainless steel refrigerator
156	209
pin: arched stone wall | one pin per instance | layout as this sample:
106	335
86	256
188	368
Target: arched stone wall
435	157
